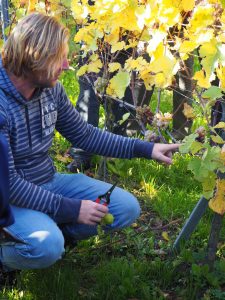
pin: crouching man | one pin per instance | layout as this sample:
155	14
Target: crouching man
48	206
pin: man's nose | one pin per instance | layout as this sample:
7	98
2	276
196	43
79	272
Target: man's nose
65	64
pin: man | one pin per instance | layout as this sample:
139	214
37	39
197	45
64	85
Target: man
49	206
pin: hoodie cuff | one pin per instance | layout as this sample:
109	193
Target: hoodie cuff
143	149
68	211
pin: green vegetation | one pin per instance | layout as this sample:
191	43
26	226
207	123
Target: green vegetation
135	263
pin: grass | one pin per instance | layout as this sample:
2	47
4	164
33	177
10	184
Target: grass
135	263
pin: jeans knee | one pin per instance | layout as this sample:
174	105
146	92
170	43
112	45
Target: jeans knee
43	250
133	210
128	211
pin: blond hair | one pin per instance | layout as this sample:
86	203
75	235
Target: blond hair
37	43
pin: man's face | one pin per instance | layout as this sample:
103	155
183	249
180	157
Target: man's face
39	79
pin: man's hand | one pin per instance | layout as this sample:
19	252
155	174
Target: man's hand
91	213
163	152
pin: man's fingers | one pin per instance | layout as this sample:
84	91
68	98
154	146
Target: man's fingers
96	220
102	208
99	214
165	159
172	147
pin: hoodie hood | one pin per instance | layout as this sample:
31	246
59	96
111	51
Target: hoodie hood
7	86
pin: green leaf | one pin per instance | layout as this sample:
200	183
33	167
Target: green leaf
208	185
195	165
213	93
188	141
124	118
217	139
119	83
195	147
223	3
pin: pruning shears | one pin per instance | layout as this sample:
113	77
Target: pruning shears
105	198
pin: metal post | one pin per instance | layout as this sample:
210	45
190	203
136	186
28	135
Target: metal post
191	223
4	16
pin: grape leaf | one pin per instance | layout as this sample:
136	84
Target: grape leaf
188	111
114	66
208	185
202	80
217	139
117	46
194	165
213	92
118	84
195	147
217	203
220	125
124	118
222	3
187	5
185	148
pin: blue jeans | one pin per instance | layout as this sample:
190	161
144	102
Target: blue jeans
38	242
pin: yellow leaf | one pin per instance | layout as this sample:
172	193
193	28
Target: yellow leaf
222	155
139	64
188	111
220	125
82	70
165	236
188	46
217	203
202	81
201	18
64	159
114	67
95	66
118	46
113	37
80	12
217	139
209	54
220	71
32	5
188	5
134	225
160	80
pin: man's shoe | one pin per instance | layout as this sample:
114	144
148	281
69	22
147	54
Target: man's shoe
81	160
79	165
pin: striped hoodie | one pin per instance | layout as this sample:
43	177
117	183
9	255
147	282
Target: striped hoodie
29	129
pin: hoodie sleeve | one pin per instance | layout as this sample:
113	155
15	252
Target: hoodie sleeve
6	216
92	139
25	194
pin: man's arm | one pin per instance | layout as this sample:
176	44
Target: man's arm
94	140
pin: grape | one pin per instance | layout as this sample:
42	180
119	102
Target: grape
144	114
100	85
201	134
107	219
151	136
162	120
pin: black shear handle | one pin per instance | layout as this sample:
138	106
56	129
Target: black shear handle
106	196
